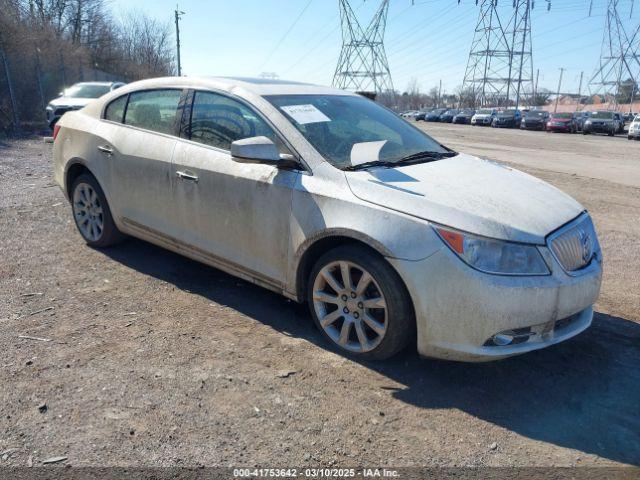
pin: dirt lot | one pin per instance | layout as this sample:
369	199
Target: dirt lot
156	360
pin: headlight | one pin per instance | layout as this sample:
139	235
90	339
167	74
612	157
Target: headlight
49	107
495	256
588	122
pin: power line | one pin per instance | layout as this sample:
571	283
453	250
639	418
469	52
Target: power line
286	34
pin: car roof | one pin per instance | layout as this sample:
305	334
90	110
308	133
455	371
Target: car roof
257	86
106	84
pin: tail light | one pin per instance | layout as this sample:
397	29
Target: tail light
56	129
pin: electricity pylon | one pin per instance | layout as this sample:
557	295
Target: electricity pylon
619	57
363	65
485	78
500	66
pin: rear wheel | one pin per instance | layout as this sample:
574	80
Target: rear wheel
92	214
360	304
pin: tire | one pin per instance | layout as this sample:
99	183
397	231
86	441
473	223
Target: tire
88	200
393	325
611	133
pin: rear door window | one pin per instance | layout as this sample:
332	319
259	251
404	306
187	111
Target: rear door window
115	110
153	110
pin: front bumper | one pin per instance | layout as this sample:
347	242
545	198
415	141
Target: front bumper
505	123
634	133
558	128
459	309
532	126
598	128
481	121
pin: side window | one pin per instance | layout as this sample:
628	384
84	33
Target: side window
115	110
153	110
218	121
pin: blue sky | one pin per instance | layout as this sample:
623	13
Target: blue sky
429	41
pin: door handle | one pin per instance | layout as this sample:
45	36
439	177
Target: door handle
106	149
187	176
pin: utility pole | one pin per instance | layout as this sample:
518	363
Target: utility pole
579	92
555	108
178	13
440	94
14	112
535	87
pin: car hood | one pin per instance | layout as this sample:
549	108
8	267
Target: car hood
70	102
471	194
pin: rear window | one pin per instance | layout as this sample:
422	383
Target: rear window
603	115
153	110
562	115
115	110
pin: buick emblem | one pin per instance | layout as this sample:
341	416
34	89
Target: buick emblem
585	244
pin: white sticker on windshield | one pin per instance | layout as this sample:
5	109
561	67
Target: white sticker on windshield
304	114
366	152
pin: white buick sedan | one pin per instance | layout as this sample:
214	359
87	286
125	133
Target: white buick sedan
328	198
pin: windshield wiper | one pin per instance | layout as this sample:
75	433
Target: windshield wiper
415	157
408	160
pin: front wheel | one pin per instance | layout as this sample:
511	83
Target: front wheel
92	214
360	304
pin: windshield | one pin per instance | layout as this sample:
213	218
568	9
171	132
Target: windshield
350	130
485	112
86	91
562	115
507	113
605	115
537	114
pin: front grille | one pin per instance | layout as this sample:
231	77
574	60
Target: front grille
575	247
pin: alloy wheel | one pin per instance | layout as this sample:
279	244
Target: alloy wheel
87	212
350	306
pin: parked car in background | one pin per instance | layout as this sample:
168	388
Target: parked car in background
271	181
464	116
629	117
447	117
562	122
535	120
484	116
434	115
76	97
634	129
410	113
603	121
582	117
422	115
507	119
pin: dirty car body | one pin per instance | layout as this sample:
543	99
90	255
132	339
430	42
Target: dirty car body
489	262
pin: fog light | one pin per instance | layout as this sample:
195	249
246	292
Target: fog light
502	339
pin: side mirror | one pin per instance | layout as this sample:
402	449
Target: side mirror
260	150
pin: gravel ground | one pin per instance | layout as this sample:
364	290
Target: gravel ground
154	360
